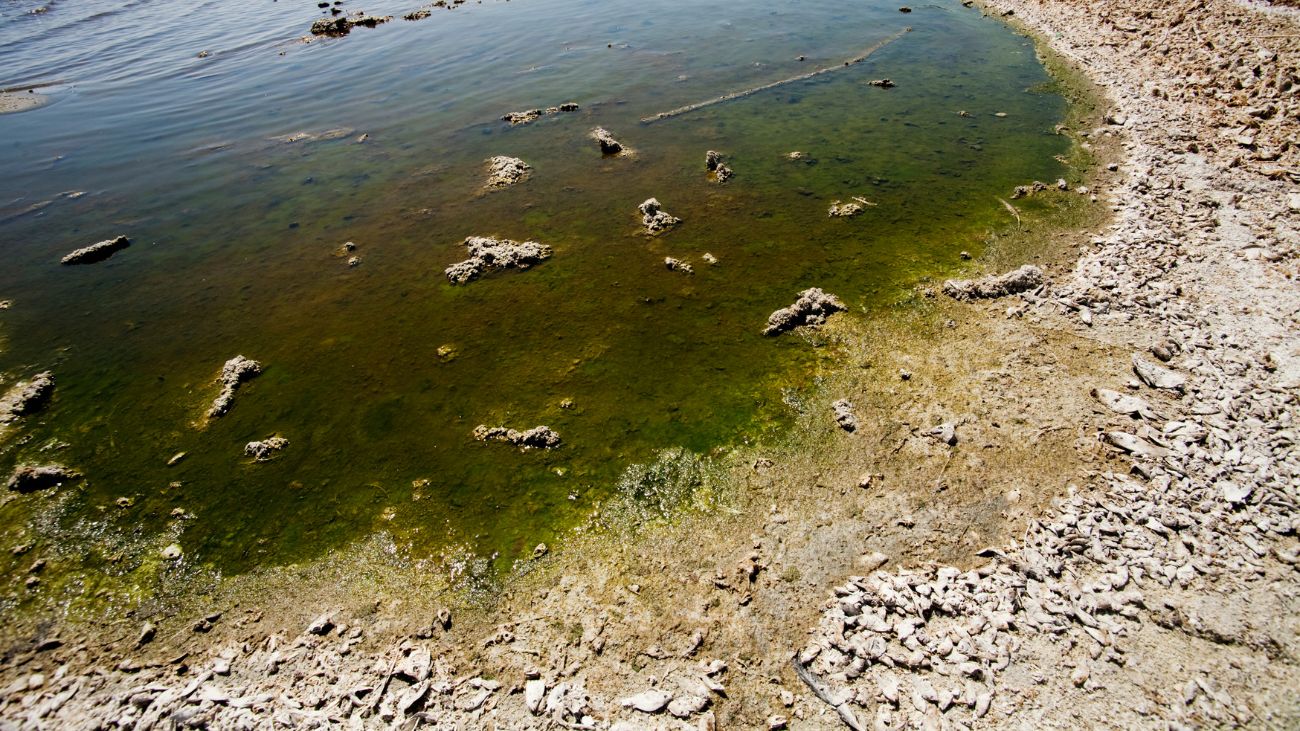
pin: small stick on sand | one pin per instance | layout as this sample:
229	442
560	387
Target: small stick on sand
801	77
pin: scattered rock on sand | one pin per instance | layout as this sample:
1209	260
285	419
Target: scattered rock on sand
844	210
97	252
504	171
233	373
811	309
26	397
1023	279
945	433
650	701
30	478
608	145
266	449
844	415
654	218
488	252
539	437
1157	376
714	164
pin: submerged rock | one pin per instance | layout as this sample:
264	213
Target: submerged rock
844	415
539	437
811	309
713	163
30	478
608	145
96	252
654	218
265	450
844	210
504	171
233	373
341	26
677	265
26	397
533	114
487	252
1023	279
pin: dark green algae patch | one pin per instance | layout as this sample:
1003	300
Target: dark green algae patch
377	374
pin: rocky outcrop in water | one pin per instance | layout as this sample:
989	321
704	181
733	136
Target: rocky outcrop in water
236	371
342	25
266	449
654	218
504	171
539	437
608	145
96	252
30	478
532	115
811	309
844	210
26	397
488	253
1020	280
677	265
714	164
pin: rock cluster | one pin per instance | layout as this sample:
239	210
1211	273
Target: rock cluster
96	252
266	449
654	218
677	265
504	171
714	164
26	397
488	253
1020	280
236	371
539	437
811	309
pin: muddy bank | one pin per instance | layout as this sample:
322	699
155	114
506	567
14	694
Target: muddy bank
1004	566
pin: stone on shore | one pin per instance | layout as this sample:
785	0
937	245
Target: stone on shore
96	252
1020	280
844	415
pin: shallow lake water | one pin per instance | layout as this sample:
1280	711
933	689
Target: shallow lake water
235	236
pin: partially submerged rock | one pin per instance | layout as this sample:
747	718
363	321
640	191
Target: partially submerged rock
882	83
504	171
265	450
1023	279
531	115
26	397
811	309
677	265
844	210
1024	191
342	25
326	135
608	145
844	415
96	252
714	164
488	252
654	218
233	373
539	437
30	478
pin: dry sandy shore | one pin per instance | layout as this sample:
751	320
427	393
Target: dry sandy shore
1121	560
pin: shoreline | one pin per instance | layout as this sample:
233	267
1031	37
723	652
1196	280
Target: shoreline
628	619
